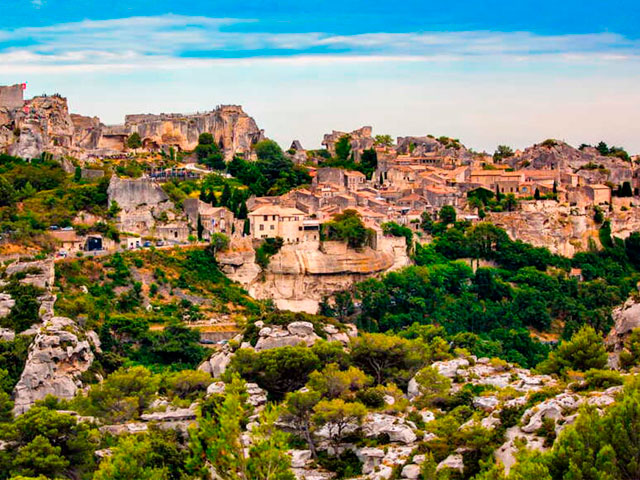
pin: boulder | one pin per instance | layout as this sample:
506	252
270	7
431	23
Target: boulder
451	368
299	458
377	424
300	328
551	408
454	462
171	415
217	364
371	458
6	304
7	335
58	356
626	318
296	333
487	404
411	471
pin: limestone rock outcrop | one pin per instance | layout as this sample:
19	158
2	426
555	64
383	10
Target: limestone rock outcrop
37	125
561	156
359	140
561	228
300	275
626	318
232	129
59	354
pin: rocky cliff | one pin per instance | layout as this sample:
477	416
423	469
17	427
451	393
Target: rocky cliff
561	228
59	354
41	124
587	163
233	130
300	275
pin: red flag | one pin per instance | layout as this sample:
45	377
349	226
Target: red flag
24	86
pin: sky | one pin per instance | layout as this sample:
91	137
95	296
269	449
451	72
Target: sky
487	72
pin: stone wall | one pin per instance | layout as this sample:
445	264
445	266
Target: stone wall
11	97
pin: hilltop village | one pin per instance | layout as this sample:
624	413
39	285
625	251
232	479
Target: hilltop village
550	194
182	298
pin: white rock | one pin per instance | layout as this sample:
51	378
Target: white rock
299	458
454	462
300	328
7	335
485	403
216	388
427	416
450	368
411	471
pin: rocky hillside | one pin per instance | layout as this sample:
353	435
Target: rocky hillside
588	163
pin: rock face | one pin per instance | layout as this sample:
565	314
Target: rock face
300	275
57	357
130	194
142	201
233	130
626	318
38	125
428	146
296	333
563	229
360	140
564	157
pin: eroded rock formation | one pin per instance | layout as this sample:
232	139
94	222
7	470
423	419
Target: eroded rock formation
300	275
59	354
588	163
561	228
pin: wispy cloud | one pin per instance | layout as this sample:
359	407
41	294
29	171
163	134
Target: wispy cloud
169	41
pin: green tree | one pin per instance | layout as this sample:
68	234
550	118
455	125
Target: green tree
332	382
433	387
218	442
447	215
39	457
383	140
583	352
268	457
343	147
387	358
277	370
337	416
7	192
134	141
502	152
130	459
200	228
347	227
299	410
225	198
124	394
219	242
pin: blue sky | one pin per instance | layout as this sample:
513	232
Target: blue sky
486	72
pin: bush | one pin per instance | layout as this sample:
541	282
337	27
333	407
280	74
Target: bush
602	379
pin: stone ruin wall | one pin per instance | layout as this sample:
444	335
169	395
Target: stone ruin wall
11	97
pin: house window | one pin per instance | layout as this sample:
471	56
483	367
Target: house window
175	234
266	217
261	227
273	227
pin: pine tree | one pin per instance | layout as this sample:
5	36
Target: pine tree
200	228
225	199
243	211
246	228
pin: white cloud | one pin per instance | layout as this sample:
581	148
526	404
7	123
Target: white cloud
169	41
